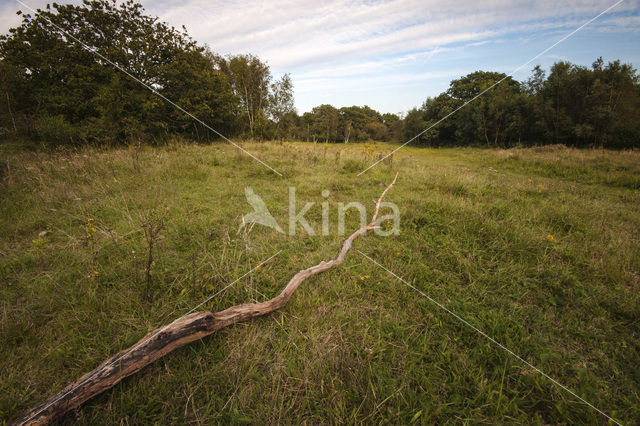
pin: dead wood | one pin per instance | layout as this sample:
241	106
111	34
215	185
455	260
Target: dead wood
180	332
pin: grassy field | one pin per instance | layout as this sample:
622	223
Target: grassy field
537	247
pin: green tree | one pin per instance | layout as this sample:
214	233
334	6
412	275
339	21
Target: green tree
441	130
394	126
413	124
493	117
60	81
558	92
250	80
324	124
194	83
281	106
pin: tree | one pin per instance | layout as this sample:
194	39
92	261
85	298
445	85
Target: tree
441	131
281	105
574	105
250	79
361	124
558	91
61	82
535	83
414	123
324	123
353	120
489	117
194	83
13	111
376	131
394	126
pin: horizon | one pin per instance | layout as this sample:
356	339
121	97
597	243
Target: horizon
392	55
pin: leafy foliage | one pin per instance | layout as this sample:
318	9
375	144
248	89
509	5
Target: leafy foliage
574	106
51	77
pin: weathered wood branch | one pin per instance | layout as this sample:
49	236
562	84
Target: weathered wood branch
180	332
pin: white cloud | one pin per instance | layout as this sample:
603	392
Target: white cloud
294	33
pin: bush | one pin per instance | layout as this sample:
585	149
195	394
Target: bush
55	130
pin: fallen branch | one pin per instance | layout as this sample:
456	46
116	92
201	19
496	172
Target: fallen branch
180	332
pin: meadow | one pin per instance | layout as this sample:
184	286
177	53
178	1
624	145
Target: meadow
537	247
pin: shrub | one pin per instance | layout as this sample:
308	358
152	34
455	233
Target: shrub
55	130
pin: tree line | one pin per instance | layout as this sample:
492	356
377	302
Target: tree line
573	105
56	91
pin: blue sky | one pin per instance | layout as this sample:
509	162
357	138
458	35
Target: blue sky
392	54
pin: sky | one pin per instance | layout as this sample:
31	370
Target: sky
393	54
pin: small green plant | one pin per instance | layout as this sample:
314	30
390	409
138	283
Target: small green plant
38	248
152	224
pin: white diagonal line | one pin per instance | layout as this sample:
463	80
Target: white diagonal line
154	91
241	277
492	340
494	84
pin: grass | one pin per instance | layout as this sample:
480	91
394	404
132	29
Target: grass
537	247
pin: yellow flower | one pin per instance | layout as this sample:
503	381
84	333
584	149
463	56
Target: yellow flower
551	238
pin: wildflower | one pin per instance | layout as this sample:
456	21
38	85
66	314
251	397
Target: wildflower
551	238
529	180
